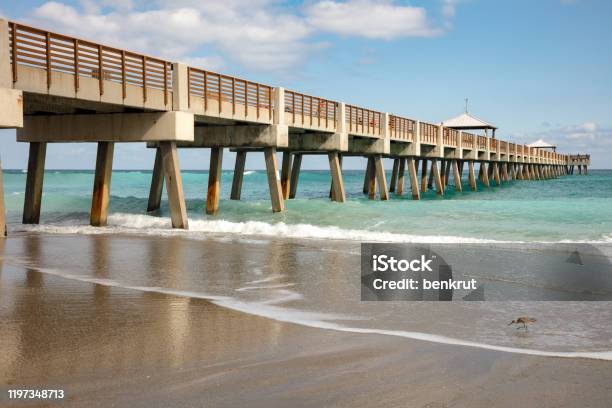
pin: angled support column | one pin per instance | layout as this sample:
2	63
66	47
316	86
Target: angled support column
157	183
394	175
496	174
214	180
381	178
34	183
471	176
457	176
276	194
337	182
102	181
431	174
174	185
424	176
447	174
505	172
331	187
286	174
436	177
443	173
295	174
401	172
238	175
369	173
414	181
485	174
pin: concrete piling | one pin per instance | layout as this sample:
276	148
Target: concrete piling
157	183
102	182
238	175
34	183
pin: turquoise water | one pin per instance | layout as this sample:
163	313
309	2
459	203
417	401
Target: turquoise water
571	208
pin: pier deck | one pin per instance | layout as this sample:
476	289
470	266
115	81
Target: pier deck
56	88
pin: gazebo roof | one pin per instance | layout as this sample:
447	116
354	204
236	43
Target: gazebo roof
467	121
541	144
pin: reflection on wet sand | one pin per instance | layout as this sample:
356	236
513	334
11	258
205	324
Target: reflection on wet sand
55	328
107	345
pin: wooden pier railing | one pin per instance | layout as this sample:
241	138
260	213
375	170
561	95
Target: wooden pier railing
310	110
33	47
467	140
482	142
450	137
429	133
493	144
240	93
363	120
401	128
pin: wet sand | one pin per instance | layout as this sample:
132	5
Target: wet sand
109	346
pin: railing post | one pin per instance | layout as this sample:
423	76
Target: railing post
386	132
180	87
341	118
100	69
7	77
279	106
144	78
48	58
417	138
440	141
76	65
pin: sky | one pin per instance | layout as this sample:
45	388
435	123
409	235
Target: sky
536	69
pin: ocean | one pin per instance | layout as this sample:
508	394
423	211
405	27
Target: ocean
302	266
567	209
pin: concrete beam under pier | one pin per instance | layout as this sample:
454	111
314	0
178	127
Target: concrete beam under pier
318	141
368	146
112	127
248	136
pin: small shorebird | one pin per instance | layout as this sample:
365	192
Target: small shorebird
524	320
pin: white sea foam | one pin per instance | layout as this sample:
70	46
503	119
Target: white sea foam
149	225
270	310
246	173
199	228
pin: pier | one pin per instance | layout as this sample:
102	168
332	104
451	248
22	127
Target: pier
58	89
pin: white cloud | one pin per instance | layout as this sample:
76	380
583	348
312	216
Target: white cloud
256	38
370	19
257	34
449	9
588	136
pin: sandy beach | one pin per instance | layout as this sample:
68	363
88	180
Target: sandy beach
112	346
